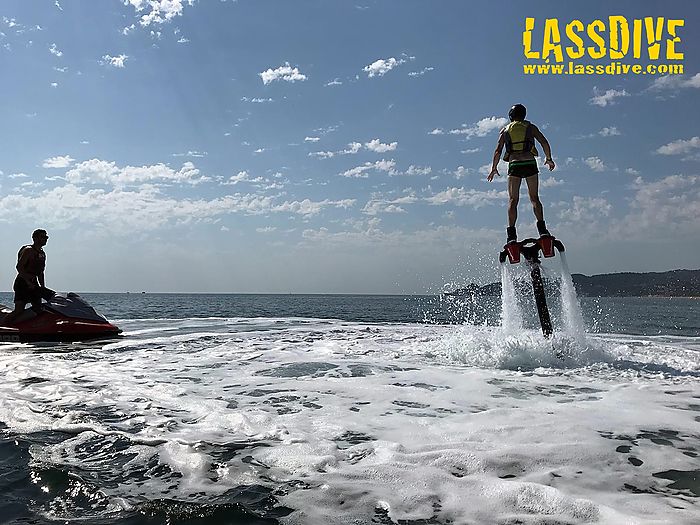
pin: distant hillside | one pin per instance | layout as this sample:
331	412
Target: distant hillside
676	283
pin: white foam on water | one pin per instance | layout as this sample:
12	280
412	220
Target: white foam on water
348	421
484	347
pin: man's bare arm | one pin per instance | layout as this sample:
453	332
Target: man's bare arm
545	146
497	157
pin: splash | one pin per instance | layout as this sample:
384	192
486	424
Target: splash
571	309
511	314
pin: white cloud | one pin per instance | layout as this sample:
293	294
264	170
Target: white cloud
421	72
262	183
675	82
334	82
583	209
145	208
631	171
197	154
285	72
367	239
266	229
256	100
672	202
470	150
54	84
381	67
380	165
308	207
461	197
377	205
323	154
327	129
58	5
462	172
595	163
58	162
116	61
550	182
311	139
183	40
55	51
352	149
161	11
32	184
418	170
243	176
437	131
612	131
95	171
377	146
481	128
679	147
606	98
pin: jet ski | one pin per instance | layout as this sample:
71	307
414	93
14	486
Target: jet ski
63	318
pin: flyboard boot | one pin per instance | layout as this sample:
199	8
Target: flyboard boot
511	235
546	240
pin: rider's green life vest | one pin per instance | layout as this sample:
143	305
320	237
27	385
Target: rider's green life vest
519	137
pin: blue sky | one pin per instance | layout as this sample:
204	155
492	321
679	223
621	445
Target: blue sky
325	146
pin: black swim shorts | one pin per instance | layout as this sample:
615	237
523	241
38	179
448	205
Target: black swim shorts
523	169
25	294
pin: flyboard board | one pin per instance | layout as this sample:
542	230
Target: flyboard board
529	249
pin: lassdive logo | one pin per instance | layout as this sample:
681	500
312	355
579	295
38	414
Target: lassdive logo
616	46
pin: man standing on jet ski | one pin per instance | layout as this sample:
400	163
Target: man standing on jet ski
518	139
29	285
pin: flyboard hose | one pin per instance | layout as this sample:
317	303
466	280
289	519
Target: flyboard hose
530	249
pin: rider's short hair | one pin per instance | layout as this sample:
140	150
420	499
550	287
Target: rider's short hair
39	233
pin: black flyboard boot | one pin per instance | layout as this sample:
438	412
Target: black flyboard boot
512	236
542	229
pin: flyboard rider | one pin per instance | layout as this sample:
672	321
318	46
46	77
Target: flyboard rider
518	139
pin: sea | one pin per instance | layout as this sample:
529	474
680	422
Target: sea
358	409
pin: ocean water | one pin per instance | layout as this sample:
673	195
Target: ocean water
294	409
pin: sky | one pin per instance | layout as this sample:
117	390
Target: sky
325	146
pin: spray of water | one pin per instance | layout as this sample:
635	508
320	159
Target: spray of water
511	315
571	309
